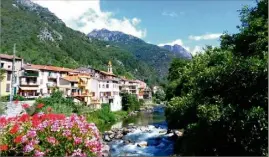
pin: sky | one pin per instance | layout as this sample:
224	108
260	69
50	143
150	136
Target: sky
189	23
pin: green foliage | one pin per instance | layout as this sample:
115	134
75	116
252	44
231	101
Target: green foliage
104	118
58	103
15	97
220	97
130	102
159	96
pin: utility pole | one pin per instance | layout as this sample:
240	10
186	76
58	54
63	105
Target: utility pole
1	79
13	75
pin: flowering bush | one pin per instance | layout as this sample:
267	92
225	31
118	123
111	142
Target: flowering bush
48	135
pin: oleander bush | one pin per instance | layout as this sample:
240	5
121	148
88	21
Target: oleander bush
49	134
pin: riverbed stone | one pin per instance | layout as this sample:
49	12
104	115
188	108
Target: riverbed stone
142	144
118	136
107	139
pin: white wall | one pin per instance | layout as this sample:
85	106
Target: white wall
116	105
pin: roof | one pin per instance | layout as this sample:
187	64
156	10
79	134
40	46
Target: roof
106	73
71	78
6	56
48	67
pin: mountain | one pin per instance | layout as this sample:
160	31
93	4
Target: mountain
178	50
156	57
42	38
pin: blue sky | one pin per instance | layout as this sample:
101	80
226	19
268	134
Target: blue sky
192	24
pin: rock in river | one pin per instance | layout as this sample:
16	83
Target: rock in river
142	144
106	138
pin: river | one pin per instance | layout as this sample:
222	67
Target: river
150	130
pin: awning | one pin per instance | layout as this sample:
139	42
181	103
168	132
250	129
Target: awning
29	88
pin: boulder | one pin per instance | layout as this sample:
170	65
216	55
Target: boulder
142	144
111	136
177	133
107	139
125	131
131	124
127	142
118	136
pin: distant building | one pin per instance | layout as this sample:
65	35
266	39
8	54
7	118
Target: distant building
129	86
6	65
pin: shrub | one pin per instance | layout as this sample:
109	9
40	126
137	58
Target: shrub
129	102
49	135
58	103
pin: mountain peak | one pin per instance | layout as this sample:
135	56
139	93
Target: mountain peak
115	36
178	51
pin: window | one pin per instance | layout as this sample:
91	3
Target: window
8	66
93	93
107	82
8	87
72	84
2	65
107	85
103	85
9	76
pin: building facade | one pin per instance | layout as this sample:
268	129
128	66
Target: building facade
6	66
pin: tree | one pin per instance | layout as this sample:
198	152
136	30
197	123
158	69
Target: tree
220	97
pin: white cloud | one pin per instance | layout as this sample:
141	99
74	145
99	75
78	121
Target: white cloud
86	16
171	14
196	50
205	37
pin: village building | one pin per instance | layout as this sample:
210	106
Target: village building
129	86
104	86
40	80
144	90
6	66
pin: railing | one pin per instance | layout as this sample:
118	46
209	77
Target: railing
30	74
29	83
51	84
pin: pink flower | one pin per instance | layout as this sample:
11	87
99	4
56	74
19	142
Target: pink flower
24	139
67	133
78	140
78	153
28	148
38	153
31	133
52	140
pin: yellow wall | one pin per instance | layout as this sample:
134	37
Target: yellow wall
3	85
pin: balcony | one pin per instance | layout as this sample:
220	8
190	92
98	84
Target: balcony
30	73
51	84
30	83
52	76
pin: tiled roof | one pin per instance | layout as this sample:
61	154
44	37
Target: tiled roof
6	56
48	67
71	78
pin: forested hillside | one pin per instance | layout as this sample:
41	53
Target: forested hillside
153	55
42	38
220	97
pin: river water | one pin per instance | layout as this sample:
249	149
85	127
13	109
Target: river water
151	129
